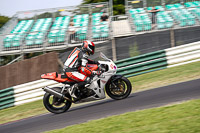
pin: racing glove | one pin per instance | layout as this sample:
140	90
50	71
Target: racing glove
97	73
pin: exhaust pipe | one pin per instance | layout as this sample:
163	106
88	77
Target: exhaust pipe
55	93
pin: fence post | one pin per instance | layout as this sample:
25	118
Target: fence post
144	4
172	38
114	50
163	3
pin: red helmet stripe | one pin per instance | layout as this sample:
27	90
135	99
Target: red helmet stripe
92	43
86	44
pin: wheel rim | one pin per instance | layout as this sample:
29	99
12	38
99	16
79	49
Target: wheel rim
56	103
118	88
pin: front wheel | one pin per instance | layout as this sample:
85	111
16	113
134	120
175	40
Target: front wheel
119	88
54	104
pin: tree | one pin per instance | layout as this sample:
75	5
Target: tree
133	50
118	5
3	20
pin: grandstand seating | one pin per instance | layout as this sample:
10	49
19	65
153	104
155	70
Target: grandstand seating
99	29
181	15
167	17
192	4
31	33
58	29
195	8
196	12
141	19
164	20
81	23
17	34
38	31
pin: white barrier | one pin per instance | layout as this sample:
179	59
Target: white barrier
183	54
183	57
183	49
32	91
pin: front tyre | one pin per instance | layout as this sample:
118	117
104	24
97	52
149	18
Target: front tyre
119	88
54	104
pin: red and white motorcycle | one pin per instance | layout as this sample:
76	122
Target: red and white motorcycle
58	100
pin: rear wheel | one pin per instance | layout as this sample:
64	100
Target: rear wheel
119	89
54	104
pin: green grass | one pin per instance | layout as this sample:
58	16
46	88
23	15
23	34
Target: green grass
22	111
146	81
166	76
180	118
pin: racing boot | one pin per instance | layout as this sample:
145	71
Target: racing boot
72	90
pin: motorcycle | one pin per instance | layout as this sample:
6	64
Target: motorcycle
58	100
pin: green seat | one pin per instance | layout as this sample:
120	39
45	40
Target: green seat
39	41
169	24
82	36
52	40
16	44
138	28
104	34
7	45
96	35
29	42
60	39
160	26
191	22
96	30
149	8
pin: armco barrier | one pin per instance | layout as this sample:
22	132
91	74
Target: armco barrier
129	67
140	58
159	60
142	64
6	98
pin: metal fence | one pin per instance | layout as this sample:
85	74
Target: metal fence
169	17
130	46
56	35
145	39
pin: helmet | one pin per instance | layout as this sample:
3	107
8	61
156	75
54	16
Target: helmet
88	47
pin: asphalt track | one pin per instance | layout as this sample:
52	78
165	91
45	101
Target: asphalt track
136	101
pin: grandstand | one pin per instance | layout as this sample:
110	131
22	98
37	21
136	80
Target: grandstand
170	16
47	29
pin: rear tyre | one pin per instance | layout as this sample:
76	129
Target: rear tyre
119	89
56	105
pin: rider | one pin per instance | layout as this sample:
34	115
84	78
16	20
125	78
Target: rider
76	63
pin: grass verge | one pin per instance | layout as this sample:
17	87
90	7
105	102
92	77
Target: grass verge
181	118
146	81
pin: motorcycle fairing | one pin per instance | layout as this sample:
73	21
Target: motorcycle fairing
57	77
51	76
92	67
99	83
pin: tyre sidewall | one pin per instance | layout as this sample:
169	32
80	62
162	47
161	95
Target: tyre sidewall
129	88
52	109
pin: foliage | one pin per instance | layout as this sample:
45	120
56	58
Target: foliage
3	20
133	50
6	59
118	5
119	8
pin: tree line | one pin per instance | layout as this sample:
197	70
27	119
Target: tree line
3	20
